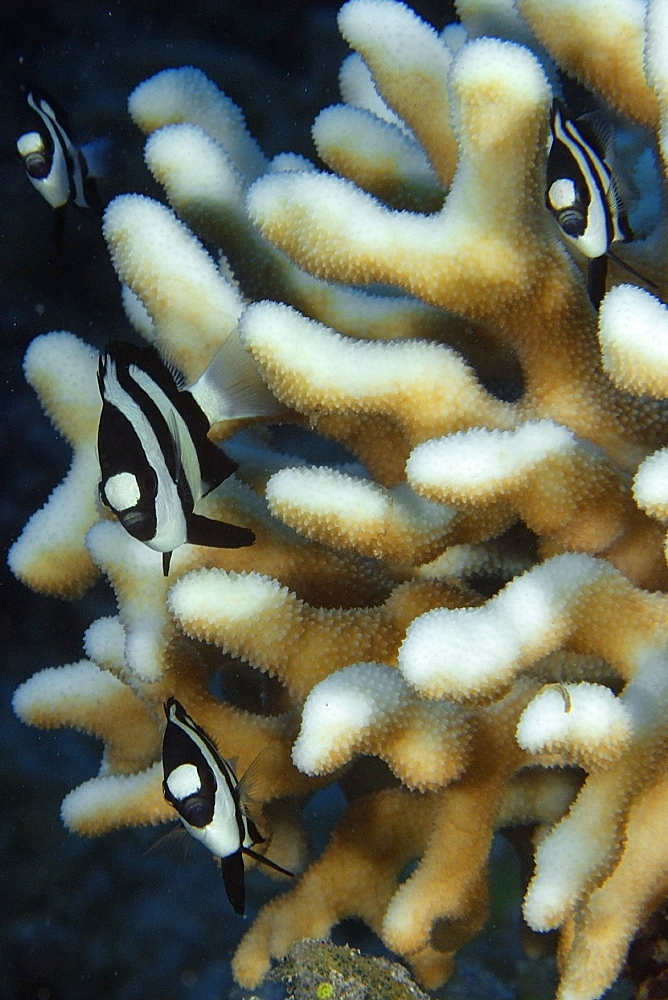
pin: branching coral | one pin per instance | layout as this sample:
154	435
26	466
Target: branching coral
504	434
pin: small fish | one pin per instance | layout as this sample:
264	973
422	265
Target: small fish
204	790
583	192
156	461
62	172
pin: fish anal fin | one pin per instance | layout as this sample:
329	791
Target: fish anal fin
218	534
232	869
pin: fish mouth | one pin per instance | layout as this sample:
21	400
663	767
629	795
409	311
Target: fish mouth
136	524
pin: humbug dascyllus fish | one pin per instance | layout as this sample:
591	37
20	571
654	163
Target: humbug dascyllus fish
203	788
62	172
583	194
156	461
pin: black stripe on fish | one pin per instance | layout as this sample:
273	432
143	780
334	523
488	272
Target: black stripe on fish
203	788
156	461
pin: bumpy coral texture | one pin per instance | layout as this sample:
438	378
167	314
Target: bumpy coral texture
507	442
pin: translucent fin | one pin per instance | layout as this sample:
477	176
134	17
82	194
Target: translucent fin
231	386
177	832
247	789
598	130
97	154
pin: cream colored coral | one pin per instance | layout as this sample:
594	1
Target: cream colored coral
368	707
50	555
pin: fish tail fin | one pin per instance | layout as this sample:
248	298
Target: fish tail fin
231	387
97	154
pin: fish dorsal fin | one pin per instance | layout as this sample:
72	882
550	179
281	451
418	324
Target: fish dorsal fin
597	130
231	387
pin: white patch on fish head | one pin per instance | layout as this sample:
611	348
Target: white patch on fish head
122	491
33	152
562	194
183	781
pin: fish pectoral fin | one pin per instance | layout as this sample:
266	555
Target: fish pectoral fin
265	861
219	534
232	869
177	832
251	788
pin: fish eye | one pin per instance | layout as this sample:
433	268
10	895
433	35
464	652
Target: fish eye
572	222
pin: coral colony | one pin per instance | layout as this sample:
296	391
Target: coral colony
478	598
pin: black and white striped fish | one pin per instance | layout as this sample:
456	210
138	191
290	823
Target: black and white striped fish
582	191
156	461
61	171
203	788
